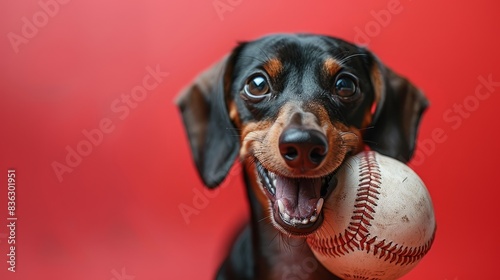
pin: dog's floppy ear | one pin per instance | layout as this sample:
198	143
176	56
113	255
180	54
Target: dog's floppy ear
399	106
213	139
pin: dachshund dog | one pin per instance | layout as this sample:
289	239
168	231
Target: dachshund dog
293	107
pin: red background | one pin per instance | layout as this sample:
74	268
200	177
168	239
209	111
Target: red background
119	208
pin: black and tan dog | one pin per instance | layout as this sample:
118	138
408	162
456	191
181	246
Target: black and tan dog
293	107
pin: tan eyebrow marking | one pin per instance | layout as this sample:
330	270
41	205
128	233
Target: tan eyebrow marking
331	66
273	67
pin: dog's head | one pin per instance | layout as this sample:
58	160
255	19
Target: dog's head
294	107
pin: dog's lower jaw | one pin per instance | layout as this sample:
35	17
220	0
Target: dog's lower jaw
294	204
277	255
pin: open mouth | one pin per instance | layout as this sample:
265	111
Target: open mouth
296	202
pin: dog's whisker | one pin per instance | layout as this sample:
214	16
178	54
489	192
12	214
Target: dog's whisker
369	141
341	55
265	159
282	241
257	139
351	56
366	128
265	53
265	218
349	166
253	57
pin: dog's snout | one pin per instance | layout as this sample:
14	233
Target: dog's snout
303	149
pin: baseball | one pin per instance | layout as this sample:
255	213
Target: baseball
378	221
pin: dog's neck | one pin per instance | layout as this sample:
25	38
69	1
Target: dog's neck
276	255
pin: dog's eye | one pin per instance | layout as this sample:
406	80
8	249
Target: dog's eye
257	87
346	86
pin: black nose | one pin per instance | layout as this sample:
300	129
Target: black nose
303	149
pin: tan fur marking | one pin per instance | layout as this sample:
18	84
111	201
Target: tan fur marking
273	67
367	118
331	66
341	139
233	114
378	87
261	140
251	135
257	189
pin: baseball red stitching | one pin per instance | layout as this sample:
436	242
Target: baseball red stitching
356	236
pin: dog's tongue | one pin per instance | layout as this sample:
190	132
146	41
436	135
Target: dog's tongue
297	198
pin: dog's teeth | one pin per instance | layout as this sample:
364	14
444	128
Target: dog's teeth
297	221
319	205
274	182
285	216
281	207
